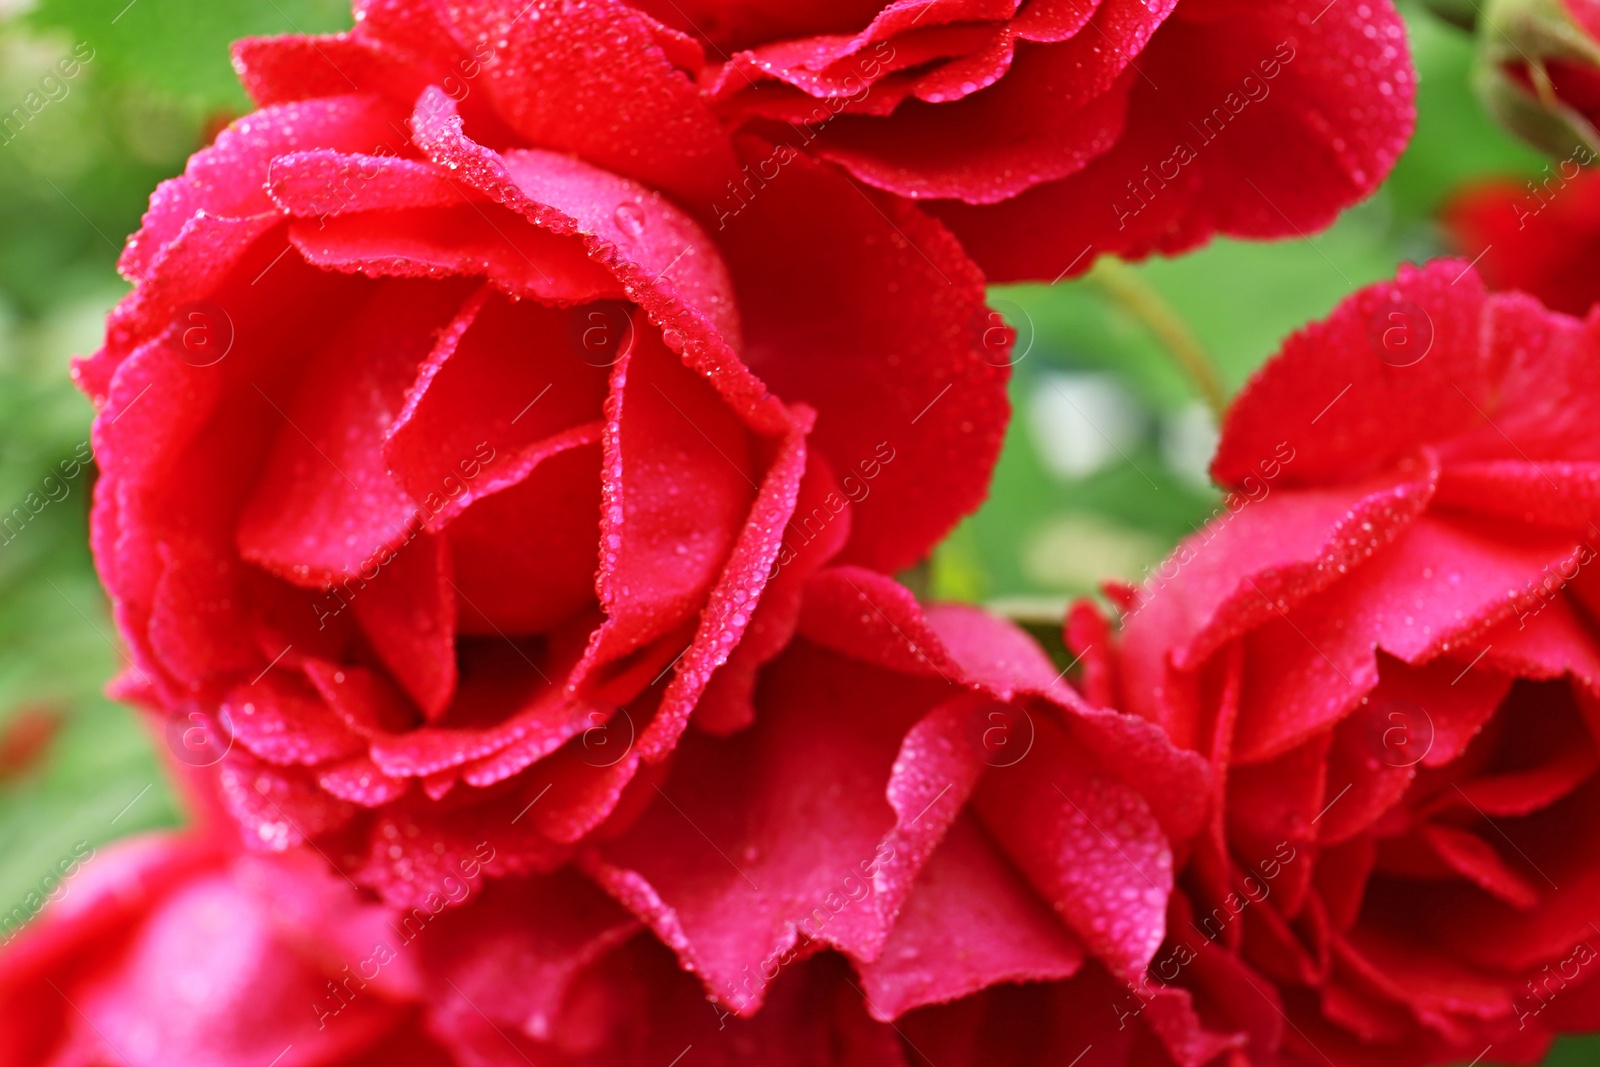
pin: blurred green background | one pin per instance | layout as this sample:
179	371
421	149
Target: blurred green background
1074	500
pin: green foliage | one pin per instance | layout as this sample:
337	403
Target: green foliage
57	645
179	47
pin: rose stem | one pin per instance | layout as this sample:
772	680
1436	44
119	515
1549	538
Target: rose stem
1145	303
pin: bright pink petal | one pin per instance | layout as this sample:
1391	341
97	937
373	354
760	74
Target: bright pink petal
1005	932
283	720
227	178
1088	844
1495	378
767	840
1441	585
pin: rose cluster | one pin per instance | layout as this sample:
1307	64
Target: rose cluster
507	450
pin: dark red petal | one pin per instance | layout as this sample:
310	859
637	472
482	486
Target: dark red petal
1263	558
819	528
326	507
732	602
578	788
195	628
408	613
1086	633
657	129
868	616
515	953
1435	986
1007	662
508	694
1440	586
1556	493
1006	146
1548	639
1477	860
1273	811
912	441
196	261
475	240
169	426
679	478
526	557
1057	108
661	256
1532	238
1339	104
1372	762
276	70
501	382
1430	713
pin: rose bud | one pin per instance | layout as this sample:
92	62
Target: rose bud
1539	71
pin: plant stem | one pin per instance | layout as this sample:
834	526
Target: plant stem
1145	303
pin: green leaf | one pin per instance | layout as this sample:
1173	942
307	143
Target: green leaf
180	47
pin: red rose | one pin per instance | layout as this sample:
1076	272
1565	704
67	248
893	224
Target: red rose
437	476
1540	235
1048	133
1384	645
161	950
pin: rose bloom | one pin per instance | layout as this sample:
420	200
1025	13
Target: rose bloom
443	468
1538	235
924	841
1048	133
1384	646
